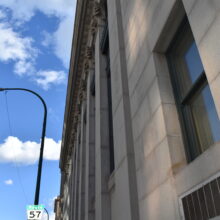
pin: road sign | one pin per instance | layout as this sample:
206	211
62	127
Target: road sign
35	212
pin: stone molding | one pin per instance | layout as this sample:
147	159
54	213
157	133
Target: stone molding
90	15
81	34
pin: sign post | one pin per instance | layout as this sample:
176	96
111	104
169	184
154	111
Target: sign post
35	212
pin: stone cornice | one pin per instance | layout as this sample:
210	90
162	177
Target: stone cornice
79	44
89	13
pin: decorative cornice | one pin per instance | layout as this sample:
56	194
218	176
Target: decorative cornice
86	65
94	25
97	9
89	14
89	52
81	32
67	167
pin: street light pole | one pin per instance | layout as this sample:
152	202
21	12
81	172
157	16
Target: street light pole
37	191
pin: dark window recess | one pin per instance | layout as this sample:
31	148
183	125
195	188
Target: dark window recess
84	116
104	46
203	203
79	138
199	119
92	85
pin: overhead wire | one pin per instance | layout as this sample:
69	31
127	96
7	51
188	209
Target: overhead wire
15	158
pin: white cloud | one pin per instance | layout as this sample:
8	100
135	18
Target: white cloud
48	39
52	216
2	14
24	67
19	49
63	41
23	10
51	202
47	77
15	48
26	153
8	182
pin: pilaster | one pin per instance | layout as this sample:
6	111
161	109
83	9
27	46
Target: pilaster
102	204
90	151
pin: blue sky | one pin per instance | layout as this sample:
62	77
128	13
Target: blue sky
35	43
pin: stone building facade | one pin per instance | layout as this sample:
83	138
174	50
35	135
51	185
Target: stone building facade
141	129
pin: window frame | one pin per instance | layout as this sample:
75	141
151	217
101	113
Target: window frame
189	133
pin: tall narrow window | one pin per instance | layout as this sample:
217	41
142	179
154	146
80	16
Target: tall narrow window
105	51
200	122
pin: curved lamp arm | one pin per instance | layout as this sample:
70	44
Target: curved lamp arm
37	191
